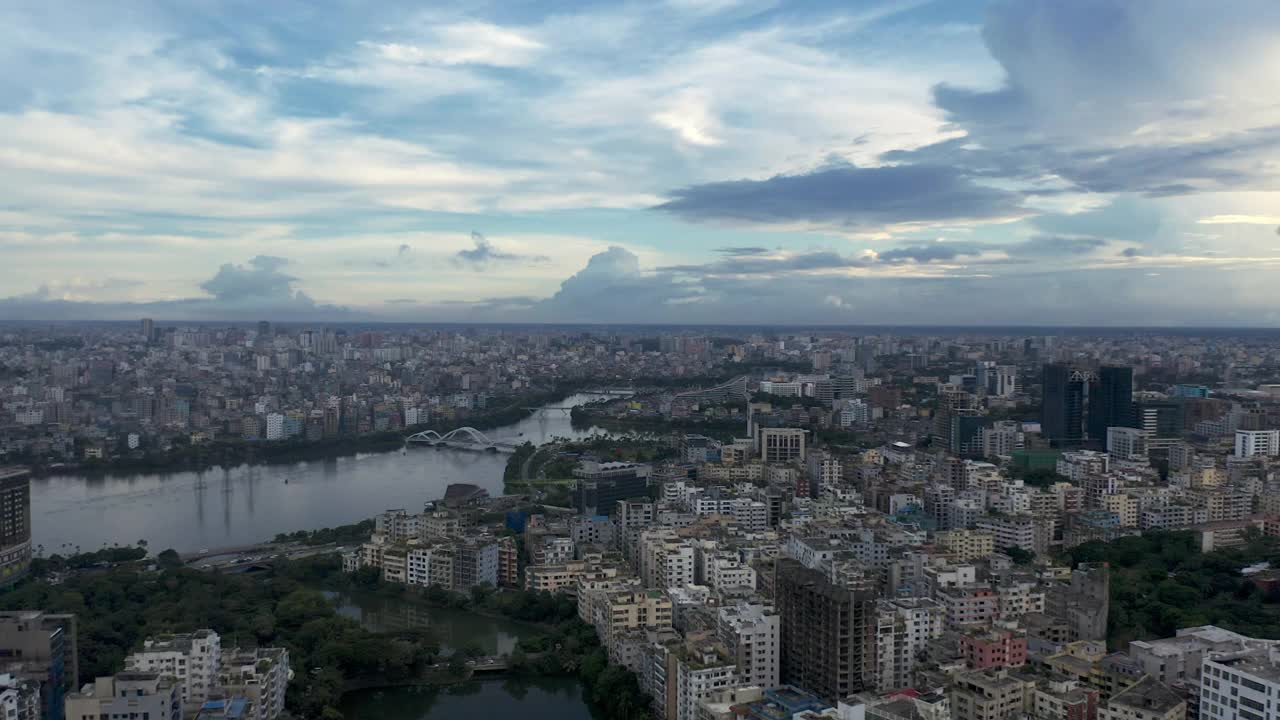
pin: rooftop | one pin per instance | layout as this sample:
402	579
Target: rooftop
1148	694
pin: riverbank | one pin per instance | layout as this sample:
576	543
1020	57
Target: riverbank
233	453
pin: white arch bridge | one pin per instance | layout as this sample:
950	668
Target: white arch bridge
466	438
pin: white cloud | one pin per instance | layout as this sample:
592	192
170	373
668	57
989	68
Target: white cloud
1241	220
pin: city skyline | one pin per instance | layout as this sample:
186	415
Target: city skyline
693	161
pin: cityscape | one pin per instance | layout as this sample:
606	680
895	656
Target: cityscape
640	360
647	522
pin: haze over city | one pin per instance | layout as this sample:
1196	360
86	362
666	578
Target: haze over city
710	161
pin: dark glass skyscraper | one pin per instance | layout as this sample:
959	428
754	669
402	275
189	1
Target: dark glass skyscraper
1062	405
1110	401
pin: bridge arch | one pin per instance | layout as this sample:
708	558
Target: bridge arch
471	434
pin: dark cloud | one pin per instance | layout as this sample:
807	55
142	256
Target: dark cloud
850	197
742	250
485	253
923	253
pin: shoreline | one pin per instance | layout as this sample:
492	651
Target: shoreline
234	454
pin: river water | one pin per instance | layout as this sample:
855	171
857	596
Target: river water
190	511
539	699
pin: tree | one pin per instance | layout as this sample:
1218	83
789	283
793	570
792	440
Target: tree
169	559
1018	555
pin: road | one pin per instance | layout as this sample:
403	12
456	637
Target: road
247	556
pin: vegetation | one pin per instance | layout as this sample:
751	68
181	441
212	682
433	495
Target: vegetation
567	646
41	567
1161	582
345	534
118	608
1035	477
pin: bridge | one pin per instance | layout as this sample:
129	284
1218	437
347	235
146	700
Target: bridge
463	438
543	409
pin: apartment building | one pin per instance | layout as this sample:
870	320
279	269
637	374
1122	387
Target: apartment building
751	634
193	658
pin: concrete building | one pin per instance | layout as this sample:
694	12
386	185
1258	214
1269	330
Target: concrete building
994	649
904	627
194	659
1147	699
1255	443
751	634
990	695
967	545
133	695
261	675
701	671
19	698
618	612
1125	443
828	630
41	647
15	524
782	445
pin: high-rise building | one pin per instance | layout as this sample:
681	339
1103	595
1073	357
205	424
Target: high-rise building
15	524
1162	419
1110	401
1062	410
148	330
42	647
750	633
828	631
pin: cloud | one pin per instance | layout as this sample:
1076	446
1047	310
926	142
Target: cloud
485	253
849	197
1178	120
1240	220
261	280
741	250
256	289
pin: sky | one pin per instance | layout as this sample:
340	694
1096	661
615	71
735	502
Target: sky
1094	162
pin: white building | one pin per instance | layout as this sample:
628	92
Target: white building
1241	685
1252	443
1125	443
903	629
275	426
193	658
19	698
700	672
752	635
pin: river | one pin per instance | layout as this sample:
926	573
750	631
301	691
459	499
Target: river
537	699
190	511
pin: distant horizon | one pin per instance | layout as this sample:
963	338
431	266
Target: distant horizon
314	323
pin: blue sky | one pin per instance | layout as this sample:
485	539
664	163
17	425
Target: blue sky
1030	161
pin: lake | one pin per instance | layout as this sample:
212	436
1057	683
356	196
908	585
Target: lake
536	699
190	511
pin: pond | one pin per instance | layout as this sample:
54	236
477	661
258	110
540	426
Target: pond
536	699
454	628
